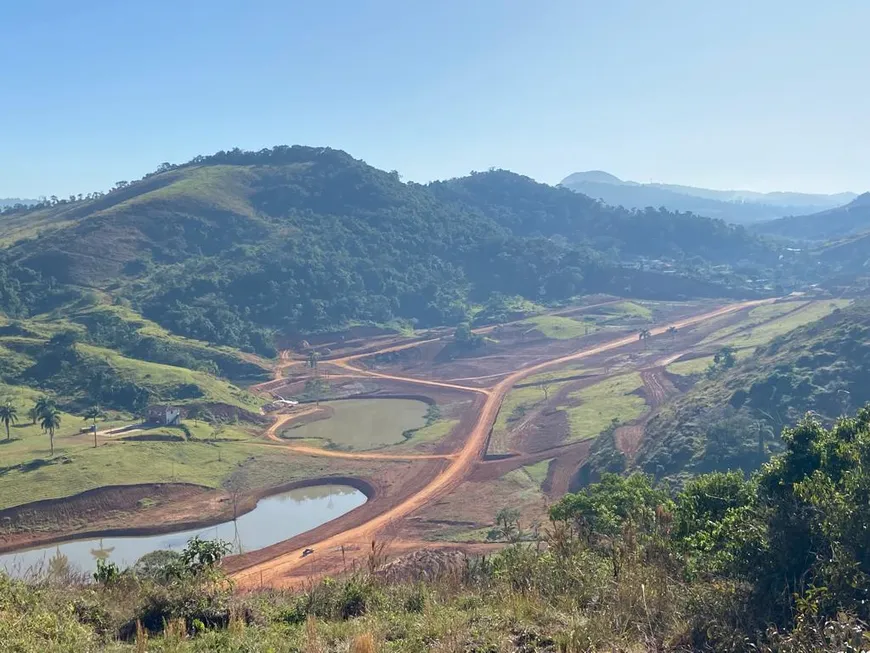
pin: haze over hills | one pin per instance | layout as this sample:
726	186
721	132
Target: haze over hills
840	222
736	206
230	247
12	201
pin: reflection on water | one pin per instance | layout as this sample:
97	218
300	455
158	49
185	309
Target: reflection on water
274	519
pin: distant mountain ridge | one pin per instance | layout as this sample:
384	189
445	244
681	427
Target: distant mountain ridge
738	206
840	222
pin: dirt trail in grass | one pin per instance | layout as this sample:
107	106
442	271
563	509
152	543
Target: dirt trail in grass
278	570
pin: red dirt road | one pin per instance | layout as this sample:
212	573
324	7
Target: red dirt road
279	570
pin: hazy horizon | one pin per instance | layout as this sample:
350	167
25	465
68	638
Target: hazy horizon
731	97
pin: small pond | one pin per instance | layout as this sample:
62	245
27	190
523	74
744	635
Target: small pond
275	518
359	424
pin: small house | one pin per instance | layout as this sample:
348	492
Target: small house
164	415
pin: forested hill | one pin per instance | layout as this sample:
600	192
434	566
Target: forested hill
229	247
528	208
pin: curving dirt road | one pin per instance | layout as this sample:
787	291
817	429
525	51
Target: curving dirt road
461	465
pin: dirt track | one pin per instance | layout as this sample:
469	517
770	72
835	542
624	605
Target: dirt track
279	569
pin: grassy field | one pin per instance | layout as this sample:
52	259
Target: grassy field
516	404
602	402
752	333
690	367
699	365
561	328
30	475
563	372
218	186
627	309
772	311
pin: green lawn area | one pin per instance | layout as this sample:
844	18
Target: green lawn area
205	431
77	467
602	402
560	328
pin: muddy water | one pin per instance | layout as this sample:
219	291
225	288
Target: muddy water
275	518
359	424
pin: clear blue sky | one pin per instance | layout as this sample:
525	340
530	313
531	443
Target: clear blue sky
758	94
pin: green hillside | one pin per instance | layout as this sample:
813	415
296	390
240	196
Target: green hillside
230	248
732	418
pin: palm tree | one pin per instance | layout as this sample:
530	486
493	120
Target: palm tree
644	335
8	415
44	405
50	421
672	331
33	415
93	413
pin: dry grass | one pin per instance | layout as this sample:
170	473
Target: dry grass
364	643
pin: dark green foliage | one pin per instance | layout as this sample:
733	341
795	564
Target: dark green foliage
202	556
605	508
107	572
466	339
797	532
25	292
